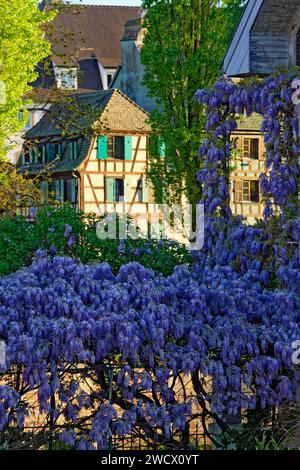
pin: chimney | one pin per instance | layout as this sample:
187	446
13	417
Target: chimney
132	29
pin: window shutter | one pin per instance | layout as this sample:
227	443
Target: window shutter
36	155
161	148
128	148
31	155
51	152
74	190
238	190
110	189
75	149
44	153
62	190
70	150
102	147
59	151
246	148
57	190
145	191
44	191
127	189
238	145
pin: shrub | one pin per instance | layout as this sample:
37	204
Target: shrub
65	231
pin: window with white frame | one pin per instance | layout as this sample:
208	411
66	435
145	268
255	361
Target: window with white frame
108	76
66	78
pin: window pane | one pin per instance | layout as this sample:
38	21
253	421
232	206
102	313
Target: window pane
119	148
119	190
254	190
110	147
50	152
246	195
254	149
140	190
246	148
109	79
68	190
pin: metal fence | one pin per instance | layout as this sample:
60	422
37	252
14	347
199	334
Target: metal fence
197	441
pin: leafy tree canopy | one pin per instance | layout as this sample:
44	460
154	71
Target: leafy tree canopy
184	44
22	46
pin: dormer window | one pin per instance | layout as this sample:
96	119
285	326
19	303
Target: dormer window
66	78
108	77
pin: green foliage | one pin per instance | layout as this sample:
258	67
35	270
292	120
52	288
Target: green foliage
22	46
254	433
17	244
182	52
19	239
17	191
266	443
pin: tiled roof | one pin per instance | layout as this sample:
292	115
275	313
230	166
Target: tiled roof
77	114
93	31
251	123
65	165
73	115
84	115
44	87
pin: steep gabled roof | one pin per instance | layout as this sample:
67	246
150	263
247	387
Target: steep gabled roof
94	31
83	116
65	164
78	114
263	39
73	115
237	57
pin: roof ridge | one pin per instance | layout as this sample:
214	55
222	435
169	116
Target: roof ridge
107	6
78	95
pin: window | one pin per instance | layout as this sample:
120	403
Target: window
109	78
246	191
66	79
114	189
70	190
26	156
50	149
73	149
251	148
28	124
58	151
108	75
115	147
38	154
66	190
119	189
140	190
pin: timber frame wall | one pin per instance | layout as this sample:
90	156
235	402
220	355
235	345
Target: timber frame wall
94	172
246	170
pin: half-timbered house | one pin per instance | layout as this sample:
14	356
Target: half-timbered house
267	39
95	147
248	162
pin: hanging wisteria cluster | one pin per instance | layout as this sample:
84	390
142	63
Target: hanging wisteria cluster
91	356
102	355
225	102
272	247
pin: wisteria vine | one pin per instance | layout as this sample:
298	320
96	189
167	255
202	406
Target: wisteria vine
69	326
273	245
93	356
225	102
